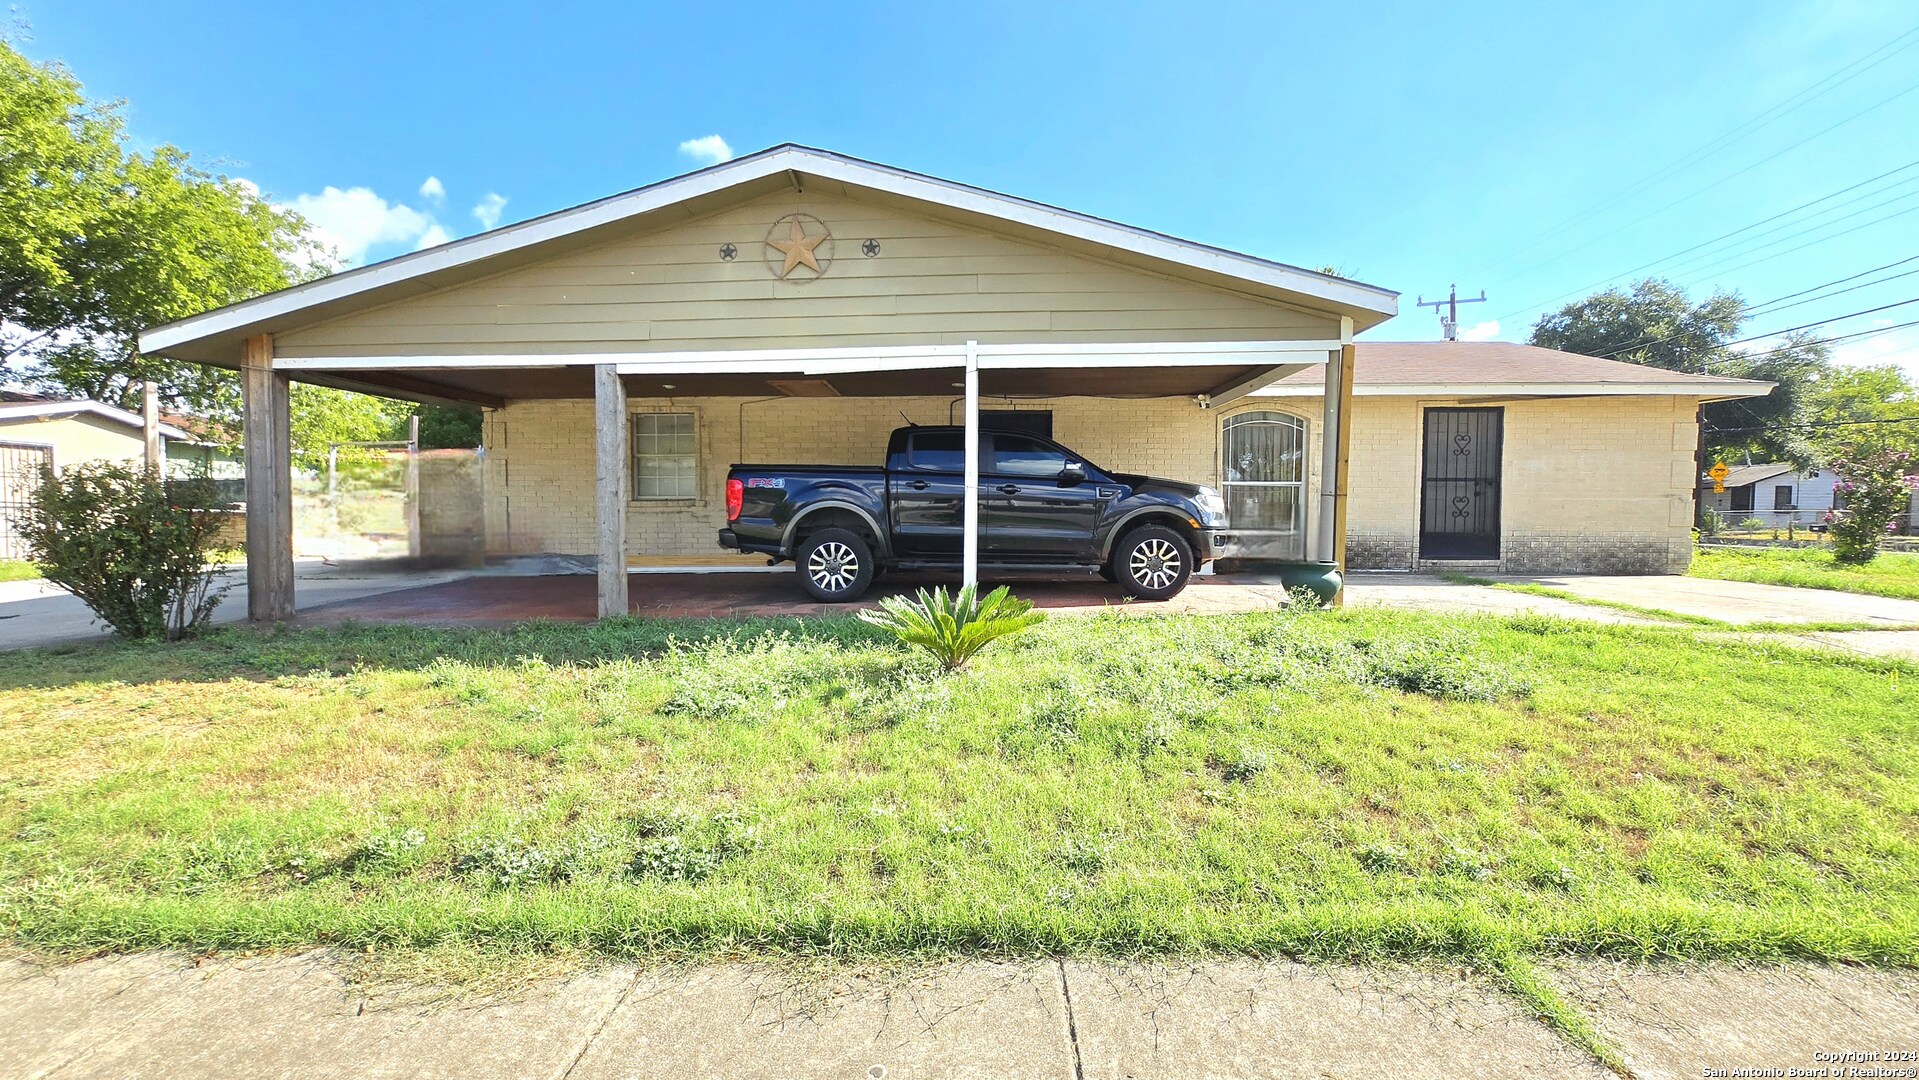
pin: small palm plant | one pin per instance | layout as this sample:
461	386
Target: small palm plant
953	627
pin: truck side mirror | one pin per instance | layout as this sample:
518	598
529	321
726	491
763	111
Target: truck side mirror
1073	473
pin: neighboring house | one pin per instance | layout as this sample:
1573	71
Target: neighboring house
37	430
1778	495
794	305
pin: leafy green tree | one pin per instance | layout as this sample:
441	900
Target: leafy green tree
1852	408
443	428
98	241
322	417
1658	325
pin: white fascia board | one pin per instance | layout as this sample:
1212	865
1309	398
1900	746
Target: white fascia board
49	409
615	208
1530	390
861	358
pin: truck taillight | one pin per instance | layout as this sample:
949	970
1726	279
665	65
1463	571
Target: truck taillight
735	495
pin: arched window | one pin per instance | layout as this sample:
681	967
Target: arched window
1263	466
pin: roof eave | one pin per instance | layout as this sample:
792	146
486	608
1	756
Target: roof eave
1367	304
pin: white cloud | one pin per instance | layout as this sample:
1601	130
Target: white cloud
433	237
707	150
1485	331
432	190
488	210
352	221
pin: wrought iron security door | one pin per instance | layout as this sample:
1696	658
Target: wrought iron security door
20	466
1459	495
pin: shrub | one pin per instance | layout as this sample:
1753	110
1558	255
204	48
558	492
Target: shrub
132	547
953	628
1877	486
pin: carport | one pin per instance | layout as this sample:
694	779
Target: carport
590	304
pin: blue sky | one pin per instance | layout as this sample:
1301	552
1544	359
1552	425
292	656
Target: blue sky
1519	147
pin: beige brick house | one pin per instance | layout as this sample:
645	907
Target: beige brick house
795	305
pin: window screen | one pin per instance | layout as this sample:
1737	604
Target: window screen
665	456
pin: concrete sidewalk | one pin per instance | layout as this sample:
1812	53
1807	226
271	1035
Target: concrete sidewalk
34	613
166	1015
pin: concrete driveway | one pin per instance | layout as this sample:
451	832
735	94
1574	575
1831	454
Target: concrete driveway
1738	602
35	613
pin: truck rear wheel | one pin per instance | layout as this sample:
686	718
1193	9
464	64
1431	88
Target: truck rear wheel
1153	562
835	565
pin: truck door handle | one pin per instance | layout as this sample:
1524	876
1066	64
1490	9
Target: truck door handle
1009	489
918	485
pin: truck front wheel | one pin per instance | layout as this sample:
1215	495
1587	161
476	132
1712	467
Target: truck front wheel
1153	562
836	565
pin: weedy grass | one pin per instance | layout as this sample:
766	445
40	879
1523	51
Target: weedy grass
1352	785
1894	574
17	570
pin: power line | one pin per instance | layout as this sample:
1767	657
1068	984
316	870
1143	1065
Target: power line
1701	191
1769	116
1725	236
1807	244
1837	281
1759	337
1708	265
1751	312
1818	424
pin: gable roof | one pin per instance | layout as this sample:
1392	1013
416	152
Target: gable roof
1743	475
15	405
1451	368
210	336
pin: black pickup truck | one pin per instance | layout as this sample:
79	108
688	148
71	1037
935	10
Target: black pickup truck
1041	507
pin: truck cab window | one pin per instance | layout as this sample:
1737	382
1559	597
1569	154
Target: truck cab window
937	451
1021	455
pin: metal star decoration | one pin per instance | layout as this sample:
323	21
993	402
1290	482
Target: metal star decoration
727	251
870	248
798	248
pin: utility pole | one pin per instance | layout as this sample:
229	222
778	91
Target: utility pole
150	427
1449	322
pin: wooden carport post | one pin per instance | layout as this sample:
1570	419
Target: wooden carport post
1342	462
269	469
610	486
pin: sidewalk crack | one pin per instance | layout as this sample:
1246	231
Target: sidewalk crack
605	1018
1072	1028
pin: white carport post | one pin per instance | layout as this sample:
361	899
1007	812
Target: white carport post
611	455
969	540
1325	539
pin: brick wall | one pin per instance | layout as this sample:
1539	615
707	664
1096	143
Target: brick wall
1591	484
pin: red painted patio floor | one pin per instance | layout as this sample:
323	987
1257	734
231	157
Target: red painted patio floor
485	599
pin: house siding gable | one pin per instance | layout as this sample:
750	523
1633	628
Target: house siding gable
932	282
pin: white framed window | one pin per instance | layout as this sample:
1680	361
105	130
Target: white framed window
1263	474
665	456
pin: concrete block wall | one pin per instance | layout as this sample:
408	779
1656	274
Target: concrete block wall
1598	485
1590	485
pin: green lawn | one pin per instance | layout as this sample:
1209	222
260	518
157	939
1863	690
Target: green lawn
1353	784
15	570
1893	574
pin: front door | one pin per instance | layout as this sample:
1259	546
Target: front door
1459	495
1028	509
